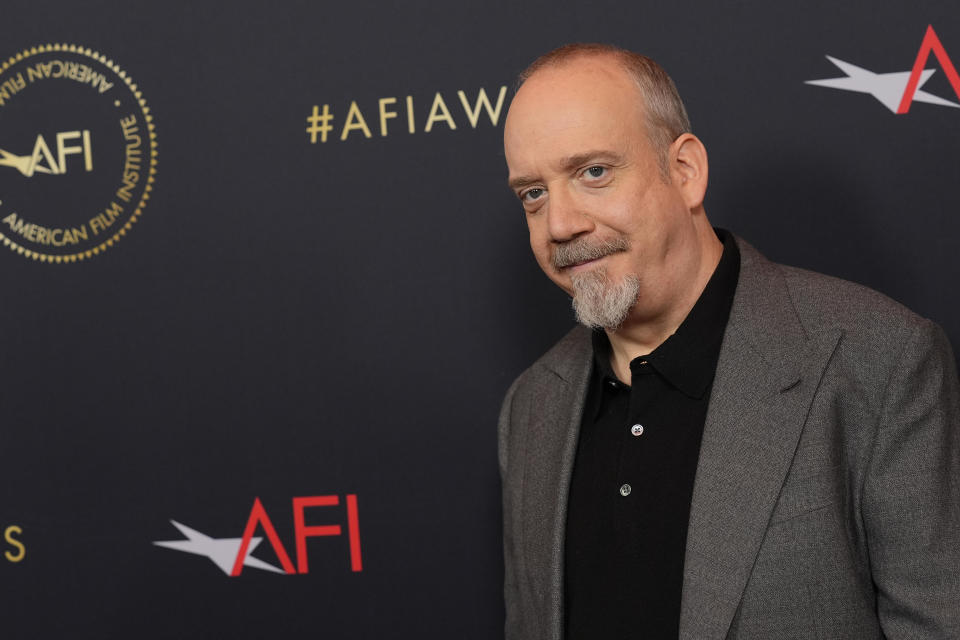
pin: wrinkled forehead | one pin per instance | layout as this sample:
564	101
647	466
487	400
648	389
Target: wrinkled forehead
564	109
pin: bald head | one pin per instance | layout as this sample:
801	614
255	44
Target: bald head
566	110
665	117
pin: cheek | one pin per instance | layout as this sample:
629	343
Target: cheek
539	242
541	251
541	247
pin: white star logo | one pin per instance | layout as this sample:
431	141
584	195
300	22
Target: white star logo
222	551
888	88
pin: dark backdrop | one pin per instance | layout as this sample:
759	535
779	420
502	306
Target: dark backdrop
293	319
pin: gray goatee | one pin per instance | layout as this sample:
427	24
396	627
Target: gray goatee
598	302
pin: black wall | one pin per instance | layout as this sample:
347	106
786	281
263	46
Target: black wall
289	318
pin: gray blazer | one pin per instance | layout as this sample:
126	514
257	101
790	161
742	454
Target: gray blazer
827	497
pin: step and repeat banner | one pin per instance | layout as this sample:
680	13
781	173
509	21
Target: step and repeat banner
264	285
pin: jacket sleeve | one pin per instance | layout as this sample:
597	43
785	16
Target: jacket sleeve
911	493
510	593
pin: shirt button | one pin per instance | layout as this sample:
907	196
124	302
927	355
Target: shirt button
637	429
625	490
612	383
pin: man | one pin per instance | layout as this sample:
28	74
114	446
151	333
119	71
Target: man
738	449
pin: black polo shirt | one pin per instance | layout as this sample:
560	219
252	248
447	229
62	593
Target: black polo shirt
634	471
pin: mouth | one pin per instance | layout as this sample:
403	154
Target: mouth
577	267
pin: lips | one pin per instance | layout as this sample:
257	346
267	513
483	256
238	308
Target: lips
575	266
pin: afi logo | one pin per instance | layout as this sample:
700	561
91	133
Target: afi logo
898	90
42	160
232	554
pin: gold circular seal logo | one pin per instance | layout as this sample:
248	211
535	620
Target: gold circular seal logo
78	153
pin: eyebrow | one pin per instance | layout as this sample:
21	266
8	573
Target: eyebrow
568	164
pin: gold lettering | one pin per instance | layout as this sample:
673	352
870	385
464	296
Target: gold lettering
87	153
77	234
44	235
125	192
63	150
104	85
130	180
482	101
384	114
35	72
69	236
128	123
350	125
410	126
16	224
439	105
131	167
103	220
8	536
40	148
71	70
11	86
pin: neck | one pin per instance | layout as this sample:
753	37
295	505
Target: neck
643	332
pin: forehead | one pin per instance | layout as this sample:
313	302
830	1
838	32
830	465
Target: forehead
565	110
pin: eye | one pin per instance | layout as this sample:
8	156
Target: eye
596	172
531	194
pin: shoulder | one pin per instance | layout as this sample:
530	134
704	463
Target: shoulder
878	336
562	362
563	369
881	338
822	302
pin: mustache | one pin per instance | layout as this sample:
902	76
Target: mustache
584	249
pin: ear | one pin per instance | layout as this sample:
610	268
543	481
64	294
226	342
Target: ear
688	168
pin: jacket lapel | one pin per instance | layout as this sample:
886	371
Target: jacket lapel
551	446
767	373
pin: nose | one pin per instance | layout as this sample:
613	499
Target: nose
566	216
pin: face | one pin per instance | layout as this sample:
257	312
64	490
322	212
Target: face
597	203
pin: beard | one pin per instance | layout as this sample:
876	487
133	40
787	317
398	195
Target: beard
598	302
601	304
